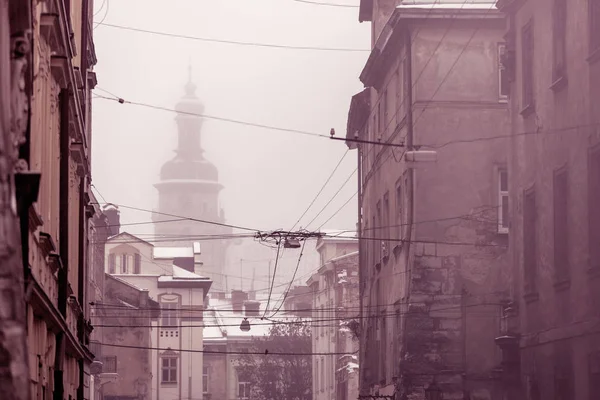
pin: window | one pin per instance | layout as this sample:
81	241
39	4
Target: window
383	350
386	223
562	383
399	210
112	263
380	119
503	82
385	110
110	364
503	215
593	209
322	376
399	97
137	264
204	379
168	370
243	390
529	241
379	233
316	375
594	6
561	228
527	66
124	263
559	45
169	314
594	375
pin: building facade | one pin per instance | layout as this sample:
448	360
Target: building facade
334	303
189	187
552	344
52	59
433	198
168	275
124	320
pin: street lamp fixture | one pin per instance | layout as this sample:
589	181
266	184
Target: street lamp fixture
433	392
245	325
291	243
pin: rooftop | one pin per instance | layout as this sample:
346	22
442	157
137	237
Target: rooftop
172	252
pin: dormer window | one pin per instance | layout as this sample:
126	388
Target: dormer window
124	260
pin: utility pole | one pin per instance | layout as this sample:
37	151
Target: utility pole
15	29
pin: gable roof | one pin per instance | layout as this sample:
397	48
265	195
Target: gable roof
127	238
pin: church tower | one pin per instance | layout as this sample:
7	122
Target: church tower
189	187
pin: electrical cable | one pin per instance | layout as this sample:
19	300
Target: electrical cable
318	3
286	293
233	42
338	210
266	352
273	281
322	188
233	121
333	197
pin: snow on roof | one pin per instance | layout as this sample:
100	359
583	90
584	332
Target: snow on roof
455	4
172	252
344	256
180	274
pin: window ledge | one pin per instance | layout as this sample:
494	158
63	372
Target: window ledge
594	56
503	100
527	110
168	384
559	84
530	297
562	284
594	272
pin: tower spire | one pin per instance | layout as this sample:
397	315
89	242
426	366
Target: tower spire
190	88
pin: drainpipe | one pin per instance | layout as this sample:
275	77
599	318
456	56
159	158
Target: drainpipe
408	81
63	273
360	264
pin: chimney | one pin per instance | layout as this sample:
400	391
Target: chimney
114	219
252	308
237	300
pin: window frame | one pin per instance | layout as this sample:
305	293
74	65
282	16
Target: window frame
559	40
124	263
246	388
593	210
169	314
174	367
137	263
400	208
205	379
503	194
502	72
594	26
112	263
530	237
527	68
561	235
110	361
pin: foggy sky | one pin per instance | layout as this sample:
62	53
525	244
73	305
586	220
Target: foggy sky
270	177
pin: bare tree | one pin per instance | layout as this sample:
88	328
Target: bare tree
285	371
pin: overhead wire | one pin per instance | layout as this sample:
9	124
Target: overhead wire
233	42
322	188
273	281
213	117
319	3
